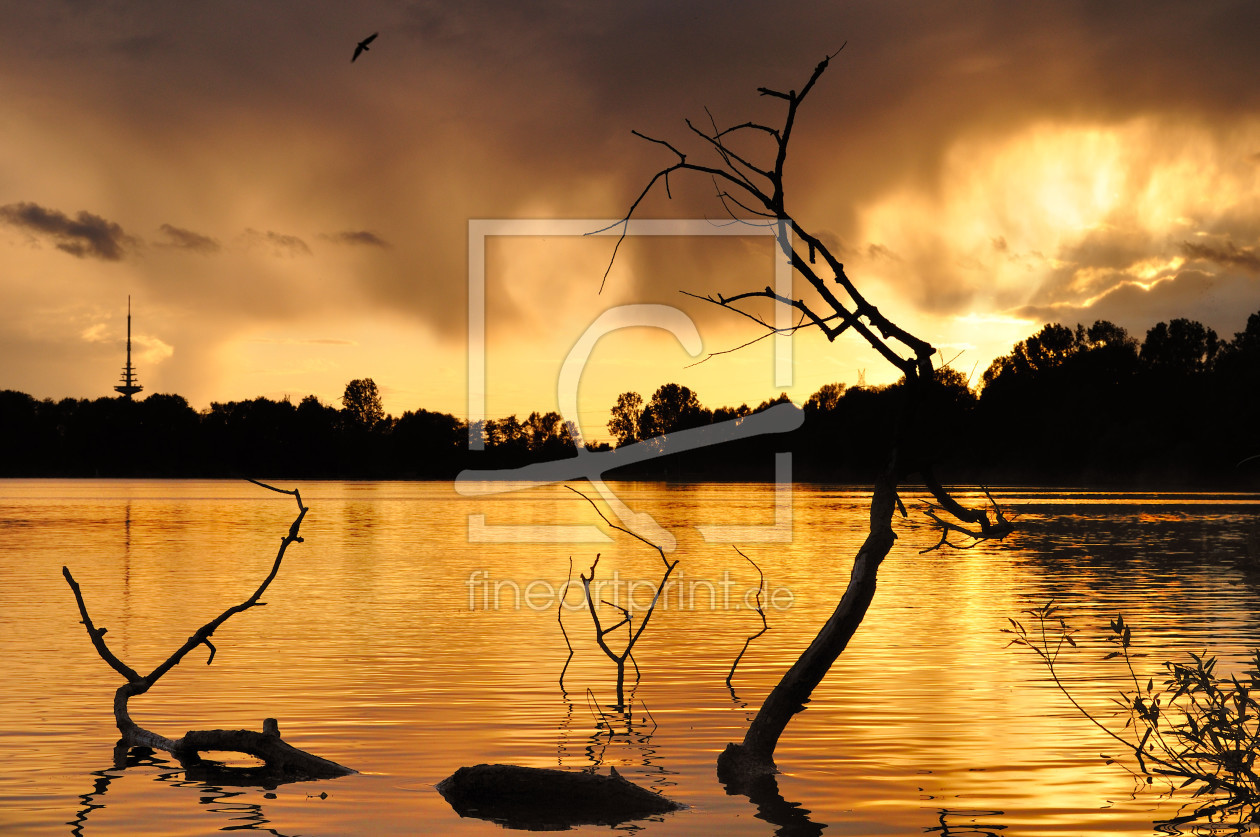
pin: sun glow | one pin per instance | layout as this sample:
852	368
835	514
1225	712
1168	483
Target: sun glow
1058	213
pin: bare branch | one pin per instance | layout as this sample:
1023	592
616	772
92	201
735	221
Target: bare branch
997	529
283	762
560	620
634	634
97	634
761	586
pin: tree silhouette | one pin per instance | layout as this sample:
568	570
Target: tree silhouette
627	415
362	402
826	399
673	407
1181	347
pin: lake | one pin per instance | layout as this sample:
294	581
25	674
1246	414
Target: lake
415	630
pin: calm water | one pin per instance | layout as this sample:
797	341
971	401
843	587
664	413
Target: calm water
409	635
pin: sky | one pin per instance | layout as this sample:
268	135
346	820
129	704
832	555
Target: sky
285	220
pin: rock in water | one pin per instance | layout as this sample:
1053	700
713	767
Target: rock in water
538	798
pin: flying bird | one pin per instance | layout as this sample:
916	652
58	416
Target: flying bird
362	46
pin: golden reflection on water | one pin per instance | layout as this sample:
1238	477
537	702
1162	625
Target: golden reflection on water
392	644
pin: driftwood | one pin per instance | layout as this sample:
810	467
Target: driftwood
539	798
281	761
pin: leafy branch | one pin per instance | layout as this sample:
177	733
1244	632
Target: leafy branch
1194	729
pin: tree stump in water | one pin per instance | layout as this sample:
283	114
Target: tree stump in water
537	798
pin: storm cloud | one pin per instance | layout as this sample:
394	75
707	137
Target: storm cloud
182	239
356	237
981	160
1227	254
279	244
85	235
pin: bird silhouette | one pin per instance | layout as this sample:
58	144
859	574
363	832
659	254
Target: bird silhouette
362	46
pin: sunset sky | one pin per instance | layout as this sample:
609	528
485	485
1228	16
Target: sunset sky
285	220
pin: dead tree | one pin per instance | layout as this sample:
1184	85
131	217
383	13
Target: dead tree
283	762
752	191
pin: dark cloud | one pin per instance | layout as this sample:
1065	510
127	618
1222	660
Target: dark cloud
487	109
1104	259
85	236
363	237
1228	254
188	240
880	251
281	244
1219	302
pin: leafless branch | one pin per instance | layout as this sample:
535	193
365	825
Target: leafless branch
560	620
619	659
985	529
761	586
284	762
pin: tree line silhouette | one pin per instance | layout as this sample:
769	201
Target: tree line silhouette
1082	406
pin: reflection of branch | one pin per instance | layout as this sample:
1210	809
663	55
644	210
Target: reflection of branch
790	819
243	815
283	760
761	585
91	800
970	829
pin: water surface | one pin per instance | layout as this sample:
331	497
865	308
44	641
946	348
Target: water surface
408	635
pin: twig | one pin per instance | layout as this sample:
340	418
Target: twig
633	634
560	620
761	585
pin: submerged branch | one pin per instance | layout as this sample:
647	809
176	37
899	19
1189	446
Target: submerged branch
560	620
626	618
283	762
761	586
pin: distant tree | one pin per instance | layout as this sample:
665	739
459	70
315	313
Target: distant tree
1239	359
627	415
317	432
1181	347
252	436
19	427
1236	408
362	402
1104	334
1032	358
428	444
172	436
548	434
825	400
507	435
727	413
771	402
673	407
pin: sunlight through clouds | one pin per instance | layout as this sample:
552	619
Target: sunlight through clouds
1056	214
239	178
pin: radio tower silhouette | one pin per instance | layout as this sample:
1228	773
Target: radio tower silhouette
129	386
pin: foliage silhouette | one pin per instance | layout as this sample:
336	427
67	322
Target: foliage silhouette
1105	408
1194	730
